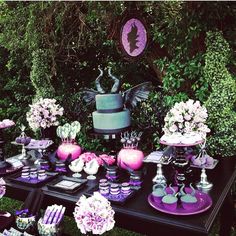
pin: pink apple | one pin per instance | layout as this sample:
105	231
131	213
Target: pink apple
65	149
209	160
132	158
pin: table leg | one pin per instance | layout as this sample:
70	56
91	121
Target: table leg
227	216
3	163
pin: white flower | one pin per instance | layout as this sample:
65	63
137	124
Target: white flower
179	118
94	214
44	113
186	118
173	128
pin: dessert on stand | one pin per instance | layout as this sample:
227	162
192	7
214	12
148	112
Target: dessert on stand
204	183
113	115
22	140
181	163
184	129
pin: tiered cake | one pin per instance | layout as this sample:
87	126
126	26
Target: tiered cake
110	116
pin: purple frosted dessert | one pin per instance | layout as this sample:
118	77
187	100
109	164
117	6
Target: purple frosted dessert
33	173
114	189
125	188
170	200
188	201
42	174
158	192
25	174
104	188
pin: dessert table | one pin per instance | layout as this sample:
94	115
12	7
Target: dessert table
137	215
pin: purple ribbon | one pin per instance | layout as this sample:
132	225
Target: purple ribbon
21	212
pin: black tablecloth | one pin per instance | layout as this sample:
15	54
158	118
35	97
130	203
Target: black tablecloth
5	222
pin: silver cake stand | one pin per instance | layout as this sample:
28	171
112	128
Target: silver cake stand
182	165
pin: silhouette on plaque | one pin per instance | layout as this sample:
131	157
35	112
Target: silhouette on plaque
132	38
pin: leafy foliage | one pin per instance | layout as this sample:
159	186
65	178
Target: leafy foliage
53	49
40	75
221	103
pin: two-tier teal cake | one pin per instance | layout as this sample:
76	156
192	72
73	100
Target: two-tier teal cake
110	116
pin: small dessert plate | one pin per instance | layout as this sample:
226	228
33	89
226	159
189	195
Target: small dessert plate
67	184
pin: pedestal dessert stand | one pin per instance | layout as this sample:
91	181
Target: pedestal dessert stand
111	139
203	183
40	146
181	164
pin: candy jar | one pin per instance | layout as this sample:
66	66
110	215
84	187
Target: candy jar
130	157
69	147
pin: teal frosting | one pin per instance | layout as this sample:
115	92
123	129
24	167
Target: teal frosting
116	120
188	198
169	199
158	190
108	101
158	193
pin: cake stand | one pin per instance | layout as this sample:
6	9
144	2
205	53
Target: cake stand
40	146
112	140
180	163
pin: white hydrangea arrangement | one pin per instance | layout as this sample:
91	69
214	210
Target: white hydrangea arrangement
94	214
186	117
44	114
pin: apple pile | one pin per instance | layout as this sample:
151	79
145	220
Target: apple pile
23	139
203	160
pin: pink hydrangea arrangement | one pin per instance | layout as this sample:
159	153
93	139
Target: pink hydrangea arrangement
108	159
186	117
94	214
88	156
44	114
2	187
6	123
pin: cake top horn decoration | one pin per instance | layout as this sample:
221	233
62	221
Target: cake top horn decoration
116	85
131	97
97	81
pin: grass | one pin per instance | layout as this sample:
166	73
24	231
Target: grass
8	204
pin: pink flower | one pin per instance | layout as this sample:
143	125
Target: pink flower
108	159
88	156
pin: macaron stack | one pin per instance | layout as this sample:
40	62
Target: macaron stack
42	174
125	188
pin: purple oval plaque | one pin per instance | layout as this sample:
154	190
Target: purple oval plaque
133	37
